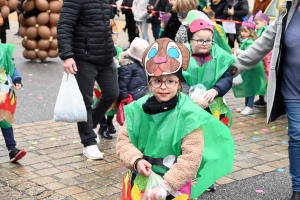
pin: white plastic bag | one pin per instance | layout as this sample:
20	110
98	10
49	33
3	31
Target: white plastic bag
154	188
237	80
197	91
69	105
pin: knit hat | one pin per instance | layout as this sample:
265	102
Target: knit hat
165	57
137	48
249	23
263	16
198	20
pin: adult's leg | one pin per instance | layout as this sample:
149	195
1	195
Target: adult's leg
293	114
130	25
108	82
144	29
86	76
3	35
8	135
155	30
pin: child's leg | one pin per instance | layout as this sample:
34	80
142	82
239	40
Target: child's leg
8	135
250	102
110	126
103	129
14	153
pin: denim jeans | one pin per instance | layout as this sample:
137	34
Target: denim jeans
144	28
8	135
249	101
106	76
293	114
155	30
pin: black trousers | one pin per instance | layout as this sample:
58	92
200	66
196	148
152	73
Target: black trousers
131	26
3	35
106	77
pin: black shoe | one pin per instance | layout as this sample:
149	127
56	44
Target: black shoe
296	196
105	134
212	188
260	103
16	154
111	129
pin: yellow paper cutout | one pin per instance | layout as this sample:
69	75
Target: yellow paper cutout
135	193
217	114
126	184
182	197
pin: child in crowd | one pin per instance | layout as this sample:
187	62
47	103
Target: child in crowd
208	65
254	80
167	133
132	76
106	124
261	24
9	79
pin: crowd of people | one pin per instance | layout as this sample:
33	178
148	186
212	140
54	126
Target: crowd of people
177	122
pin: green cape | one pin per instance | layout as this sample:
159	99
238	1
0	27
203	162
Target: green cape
160	135
254	80
6	53
260	31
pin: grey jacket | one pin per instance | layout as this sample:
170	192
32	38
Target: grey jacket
270	39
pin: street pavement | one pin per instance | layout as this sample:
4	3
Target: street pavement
54	167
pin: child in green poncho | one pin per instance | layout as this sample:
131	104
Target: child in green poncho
254	80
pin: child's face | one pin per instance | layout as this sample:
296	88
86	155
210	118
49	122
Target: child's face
114	37
245	33
201	41
164	87
259	23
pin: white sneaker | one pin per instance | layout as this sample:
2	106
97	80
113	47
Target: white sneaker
92	152
97	138
239	109
247	111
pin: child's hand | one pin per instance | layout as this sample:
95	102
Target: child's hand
157	193
201	102
17	86
124	100
143	167
233	51
210	95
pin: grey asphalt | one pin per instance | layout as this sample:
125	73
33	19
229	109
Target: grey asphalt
275	186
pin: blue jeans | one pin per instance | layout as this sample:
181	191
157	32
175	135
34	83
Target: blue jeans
293	113
144	28
8	135
155	30
249	101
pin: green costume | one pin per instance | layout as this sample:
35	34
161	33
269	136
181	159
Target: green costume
261	30
220	38
254	80
209	74
160	135
7	69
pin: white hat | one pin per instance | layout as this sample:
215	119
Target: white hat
137	48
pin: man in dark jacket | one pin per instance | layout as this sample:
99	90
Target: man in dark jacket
236	10
86	47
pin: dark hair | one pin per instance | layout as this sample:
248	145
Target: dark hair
189	34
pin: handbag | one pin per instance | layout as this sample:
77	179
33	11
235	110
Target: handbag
120	113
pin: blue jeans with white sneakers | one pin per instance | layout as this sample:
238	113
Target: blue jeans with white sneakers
249	101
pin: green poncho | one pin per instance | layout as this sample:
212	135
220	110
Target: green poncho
254	80
220	38
260	31
160	135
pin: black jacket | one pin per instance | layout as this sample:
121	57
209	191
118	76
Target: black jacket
132	78
161	5
84	31
173	25
218	9
241	9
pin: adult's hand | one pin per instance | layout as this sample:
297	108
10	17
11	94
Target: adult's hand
70	66
233	70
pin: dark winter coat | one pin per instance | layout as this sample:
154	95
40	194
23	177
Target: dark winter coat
84	31
173	25
218	9
161	5
241	9
132	78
